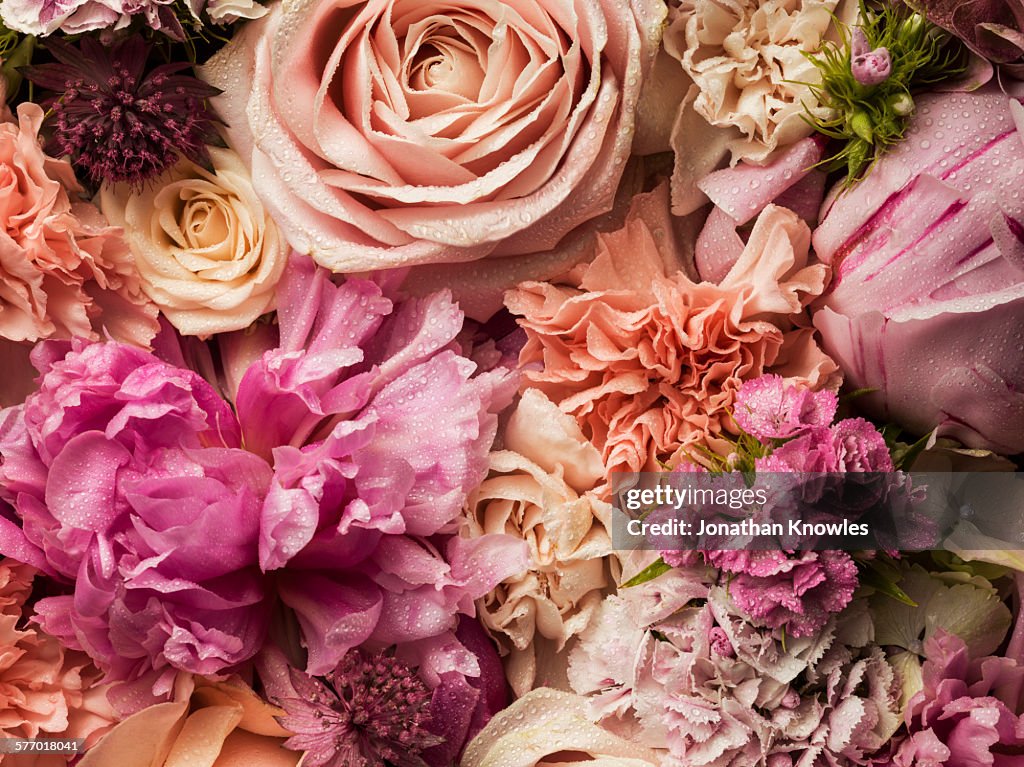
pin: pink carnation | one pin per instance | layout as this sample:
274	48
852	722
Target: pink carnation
63	271
648	361
795	591
770	408
128	480
968	711
852	444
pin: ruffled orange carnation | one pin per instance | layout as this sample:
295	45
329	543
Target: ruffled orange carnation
63	270
647	360
45	690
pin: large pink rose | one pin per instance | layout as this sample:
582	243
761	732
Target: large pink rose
391	132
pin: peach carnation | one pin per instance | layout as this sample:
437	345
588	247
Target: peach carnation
45	690
649	361
63	271
541	489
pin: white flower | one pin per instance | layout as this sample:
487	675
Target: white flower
746	58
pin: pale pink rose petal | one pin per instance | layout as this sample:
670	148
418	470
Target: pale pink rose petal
498	130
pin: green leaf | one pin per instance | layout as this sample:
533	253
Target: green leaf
859	393
903	456
649	573
869	576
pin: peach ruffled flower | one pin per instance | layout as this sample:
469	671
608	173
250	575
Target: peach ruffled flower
224	724
541	489
647	360
63	271
45	690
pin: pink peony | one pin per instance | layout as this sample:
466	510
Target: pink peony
381	427
648	361
128	480
397	132
928	292
968	712
63	271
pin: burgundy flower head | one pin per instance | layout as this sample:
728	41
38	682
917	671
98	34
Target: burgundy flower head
117	122
369	711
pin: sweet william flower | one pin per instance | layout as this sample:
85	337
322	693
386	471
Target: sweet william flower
868	66
797	592
771	408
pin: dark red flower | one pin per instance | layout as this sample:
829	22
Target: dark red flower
118	122
369	711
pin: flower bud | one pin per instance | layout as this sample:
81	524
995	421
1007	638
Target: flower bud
872	67
861	125
912	25
902	104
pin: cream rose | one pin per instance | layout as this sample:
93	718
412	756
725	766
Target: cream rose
541	490
391	132
208	252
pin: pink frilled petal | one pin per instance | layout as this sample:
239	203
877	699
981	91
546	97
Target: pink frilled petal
423	591
439	422
777	266
770	408
335	613
464	702
719	246
313	487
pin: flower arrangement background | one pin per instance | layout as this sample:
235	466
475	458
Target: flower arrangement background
328	326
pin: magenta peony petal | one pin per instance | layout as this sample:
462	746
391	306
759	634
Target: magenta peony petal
336	614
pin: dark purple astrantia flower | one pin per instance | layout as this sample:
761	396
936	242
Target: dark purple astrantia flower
118	122
369	711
